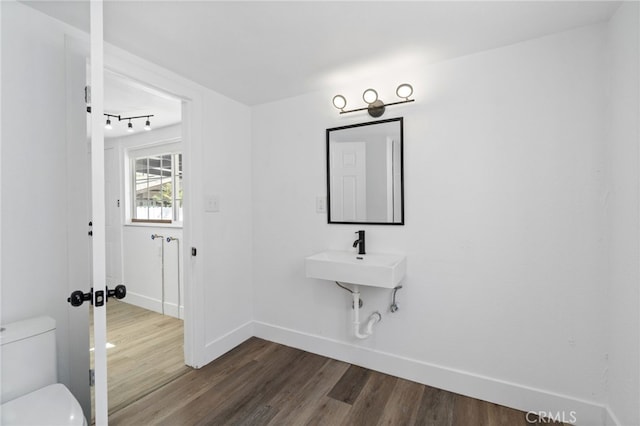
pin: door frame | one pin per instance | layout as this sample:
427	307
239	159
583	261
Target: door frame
118	61
139	71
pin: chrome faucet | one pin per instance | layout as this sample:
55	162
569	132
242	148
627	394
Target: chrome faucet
360	242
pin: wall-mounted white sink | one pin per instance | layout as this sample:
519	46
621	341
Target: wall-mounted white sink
374	269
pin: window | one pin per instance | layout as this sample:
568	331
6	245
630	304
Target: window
157	188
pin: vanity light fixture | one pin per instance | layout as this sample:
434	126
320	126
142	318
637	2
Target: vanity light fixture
130	127
375	107
147	124
108	125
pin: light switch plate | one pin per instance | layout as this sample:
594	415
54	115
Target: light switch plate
321	204
212	204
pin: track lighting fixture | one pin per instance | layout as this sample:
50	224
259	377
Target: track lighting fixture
109	126
375	107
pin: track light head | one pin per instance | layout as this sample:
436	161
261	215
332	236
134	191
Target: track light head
119	118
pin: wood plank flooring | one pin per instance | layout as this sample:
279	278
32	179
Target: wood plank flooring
264	383
148	352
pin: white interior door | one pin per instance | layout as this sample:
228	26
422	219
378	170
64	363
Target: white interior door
389	177
78	217
348	181
98	213
397	181
112	204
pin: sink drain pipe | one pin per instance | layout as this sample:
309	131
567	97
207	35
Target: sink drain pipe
357	303
373	318
177	240
153	237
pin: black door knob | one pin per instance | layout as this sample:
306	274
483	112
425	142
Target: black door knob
121	291
76	298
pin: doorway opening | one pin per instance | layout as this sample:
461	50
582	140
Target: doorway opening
144	234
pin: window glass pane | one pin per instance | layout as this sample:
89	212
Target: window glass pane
178	189
141	185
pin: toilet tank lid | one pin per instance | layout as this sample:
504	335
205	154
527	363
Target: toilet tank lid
26	328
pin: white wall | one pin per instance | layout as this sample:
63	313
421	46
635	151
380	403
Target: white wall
143	268
504	227
227	234
621	200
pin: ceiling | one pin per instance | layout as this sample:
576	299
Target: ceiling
126	98
262	51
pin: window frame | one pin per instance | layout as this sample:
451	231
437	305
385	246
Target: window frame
172	146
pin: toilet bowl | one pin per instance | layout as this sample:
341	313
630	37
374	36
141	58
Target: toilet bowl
51	405
29	392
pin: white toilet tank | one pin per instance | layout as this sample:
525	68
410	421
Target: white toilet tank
28	356
29	376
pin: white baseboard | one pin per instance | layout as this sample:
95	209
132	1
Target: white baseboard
143	301
155	305
171	309
610	418
500	392
228	341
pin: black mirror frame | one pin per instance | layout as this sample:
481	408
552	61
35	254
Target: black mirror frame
328	168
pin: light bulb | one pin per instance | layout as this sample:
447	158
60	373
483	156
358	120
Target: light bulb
404	91
130	127
339	102
147	125
108	124
370	96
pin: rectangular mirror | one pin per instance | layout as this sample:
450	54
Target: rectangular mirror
365	173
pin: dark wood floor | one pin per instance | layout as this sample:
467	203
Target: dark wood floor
264	383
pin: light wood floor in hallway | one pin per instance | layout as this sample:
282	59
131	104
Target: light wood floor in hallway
147	353
264	383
